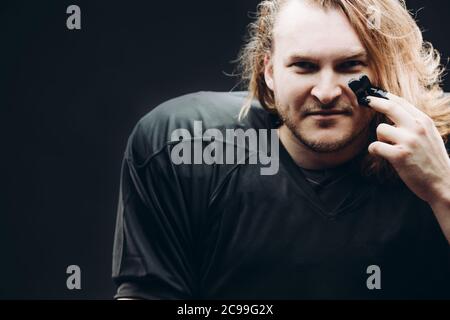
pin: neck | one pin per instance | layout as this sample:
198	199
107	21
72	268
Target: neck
306	158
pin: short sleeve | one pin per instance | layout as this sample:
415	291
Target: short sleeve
153	254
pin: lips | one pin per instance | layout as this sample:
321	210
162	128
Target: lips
327	113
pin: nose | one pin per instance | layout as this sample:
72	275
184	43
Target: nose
327	89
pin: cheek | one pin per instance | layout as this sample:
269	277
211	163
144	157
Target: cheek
289	83
291	90
364	115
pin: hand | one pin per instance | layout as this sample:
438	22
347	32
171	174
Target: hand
414	148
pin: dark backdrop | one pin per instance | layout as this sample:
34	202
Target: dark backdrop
69	100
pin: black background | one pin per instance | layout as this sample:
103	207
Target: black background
69	100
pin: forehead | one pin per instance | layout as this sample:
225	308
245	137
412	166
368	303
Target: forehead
308	29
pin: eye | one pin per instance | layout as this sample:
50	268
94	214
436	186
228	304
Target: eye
306	66
351	64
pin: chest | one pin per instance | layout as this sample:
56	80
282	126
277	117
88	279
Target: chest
271	232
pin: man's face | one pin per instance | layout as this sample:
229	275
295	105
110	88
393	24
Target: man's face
316	53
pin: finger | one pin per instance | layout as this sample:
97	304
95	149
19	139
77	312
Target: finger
392	110
384	150
391	134
405	104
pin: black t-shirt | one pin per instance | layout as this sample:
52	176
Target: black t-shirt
225	231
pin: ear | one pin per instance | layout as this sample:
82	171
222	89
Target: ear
268	71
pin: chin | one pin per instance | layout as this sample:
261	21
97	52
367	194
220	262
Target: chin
326	136
331	136
326	141
327	146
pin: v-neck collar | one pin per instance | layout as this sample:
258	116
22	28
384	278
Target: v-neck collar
304	187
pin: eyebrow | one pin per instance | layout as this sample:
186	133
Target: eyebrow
360	54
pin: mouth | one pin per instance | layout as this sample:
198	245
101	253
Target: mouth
328	113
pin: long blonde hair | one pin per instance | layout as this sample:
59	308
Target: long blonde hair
403	62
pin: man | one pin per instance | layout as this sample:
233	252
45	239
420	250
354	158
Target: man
360	204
